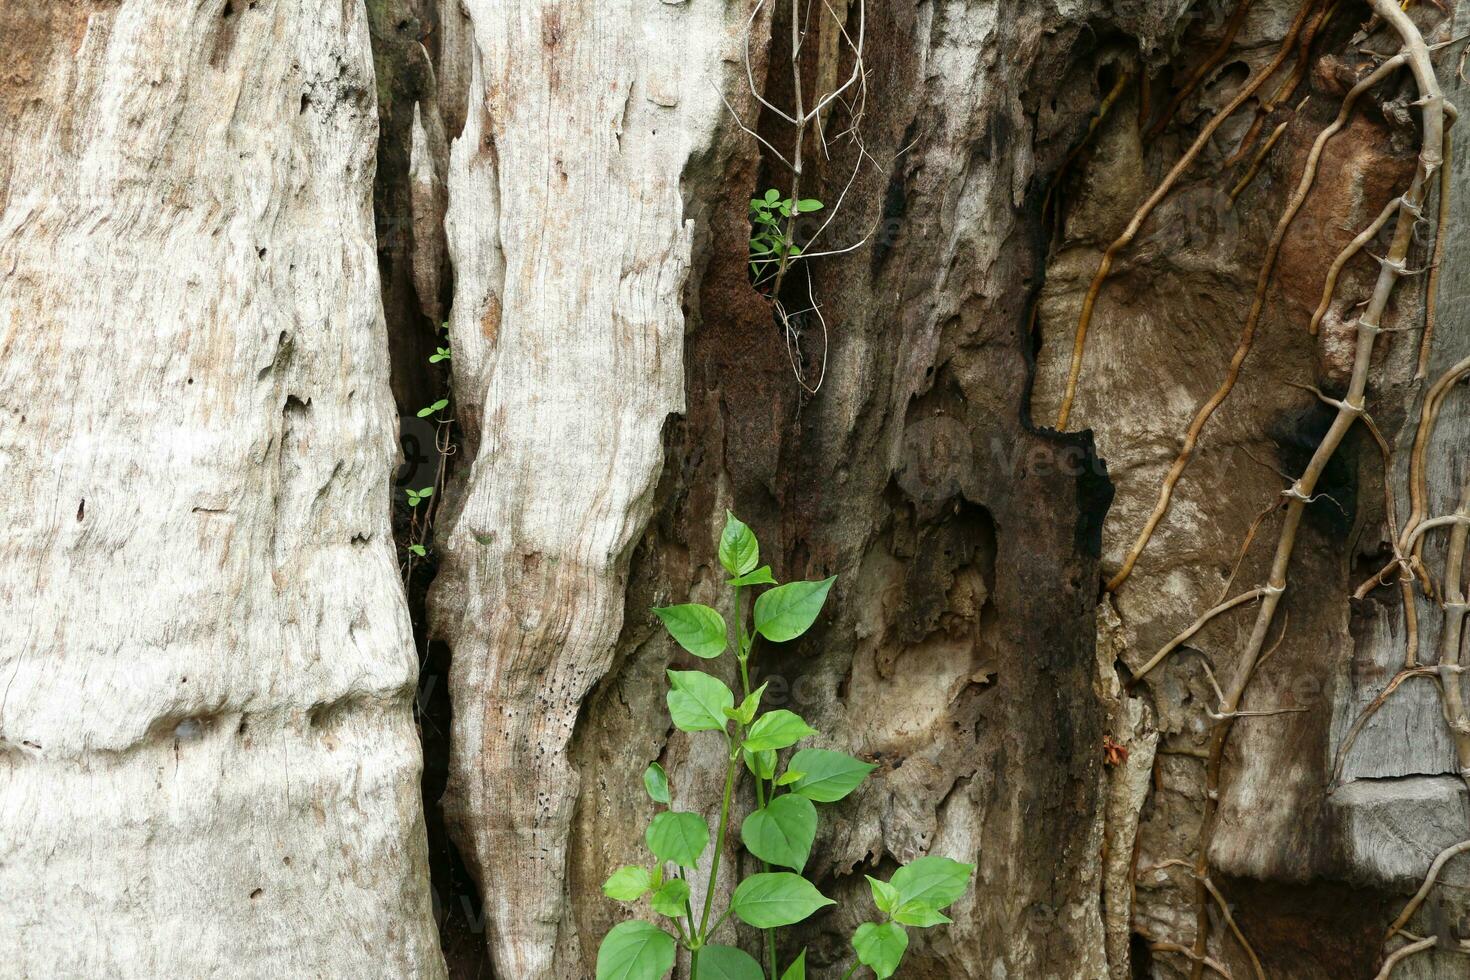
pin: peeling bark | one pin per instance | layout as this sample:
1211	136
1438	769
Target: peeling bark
208	763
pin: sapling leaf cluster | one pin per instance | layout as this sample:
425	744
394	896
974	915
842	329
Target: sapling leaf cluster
780	831
773	233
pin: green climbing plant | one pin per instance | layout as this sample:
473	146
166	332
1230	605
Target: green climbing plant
781	830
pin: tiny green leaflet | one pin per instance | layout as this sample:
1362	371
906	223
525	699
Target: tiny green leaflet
678	837
880	947
698	701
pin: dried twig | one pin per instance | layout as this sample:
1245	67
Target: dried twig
1430	878
1194	628
1105	265
1248	333
1222	48
1403	953
1431	105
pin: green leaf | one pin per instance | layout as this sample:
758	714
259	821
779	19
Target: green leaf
808	204
698	701
697	628
797	969
671	898
635	951
788	777
776	730
678	837
739	550
418	549
747	709
885	896
880	947
628	883
785	612
728	963
762	764
828	776
761	576
934	881
426	492
773	196
776	898
781	832
656	781
921	914
438	406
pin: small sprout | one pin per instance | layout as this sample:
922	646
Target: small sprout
772	243
415	497
418	549
438	406
441	354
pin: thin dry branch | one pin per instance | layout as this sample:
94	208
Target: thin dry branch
1403	953
1089	302
1194	628
1372	709
1222	48
1353	248
1453	697
1258	160
1235	929
1258	304
1431	299
1431	105
1435	867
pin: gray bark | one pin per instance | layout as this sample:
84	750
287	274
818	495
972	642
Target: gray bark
206	737
208	762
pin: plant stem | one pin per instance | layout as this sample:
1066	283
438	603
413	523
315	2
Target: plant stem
714	868
743	655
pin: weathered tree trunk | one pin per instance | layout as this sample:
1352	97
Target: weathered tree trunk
207	755
208	763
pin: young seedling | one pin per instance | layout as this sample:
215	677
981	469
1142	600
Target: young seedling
773	234
416	497
440	354
779	832
438	406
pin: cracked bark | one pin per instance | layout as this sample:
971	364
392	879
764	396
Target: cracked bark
618	384
206	737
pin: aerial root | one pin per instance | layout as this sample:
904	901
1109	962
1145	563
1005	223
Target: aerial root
1089	302
1258	303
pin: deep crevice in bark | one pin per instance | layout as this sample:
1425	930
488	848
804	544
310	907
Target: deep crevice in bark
401	30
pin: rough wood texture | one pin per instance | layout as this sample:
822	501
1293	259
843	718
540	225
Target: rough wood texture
1286	850
571	250
208	762
958	652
